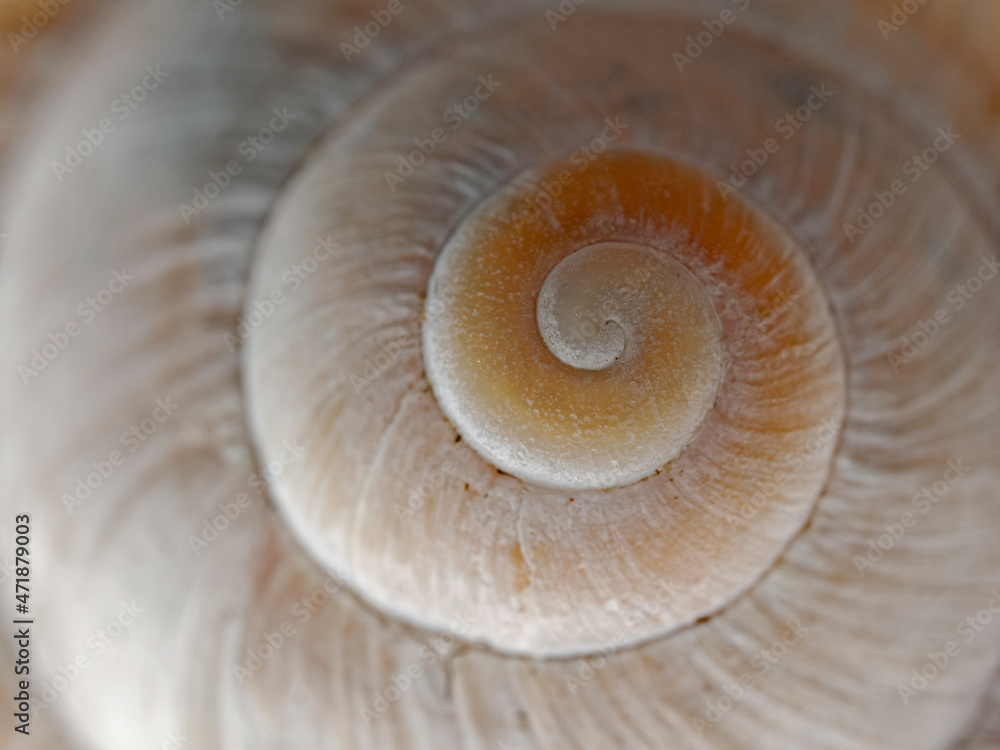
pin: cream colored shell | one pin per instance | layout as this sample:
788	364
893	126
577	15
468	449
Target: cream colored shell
379	634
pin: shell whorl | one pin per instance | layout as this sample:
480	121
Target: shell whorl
601	381
501	388
375	529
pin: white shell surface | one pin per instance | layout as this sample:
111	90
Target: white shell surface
204	615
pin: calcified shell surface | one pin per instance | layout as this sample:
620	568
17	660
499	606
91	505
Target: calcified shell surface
321	543
778	391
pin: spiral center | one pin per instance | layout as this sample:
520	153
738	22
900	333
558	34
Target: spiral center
586	368
579	313
595	304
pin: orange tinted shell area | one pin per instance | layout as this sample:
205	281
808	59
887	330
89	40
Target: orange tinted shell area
547	421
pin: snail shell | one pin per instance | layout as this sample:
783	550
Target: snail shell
614	472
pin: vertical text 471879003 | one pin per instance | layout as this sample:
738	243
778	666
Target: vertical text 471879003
22	635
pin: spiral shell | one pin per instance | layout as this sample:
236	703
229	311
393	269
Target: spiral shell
545	376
